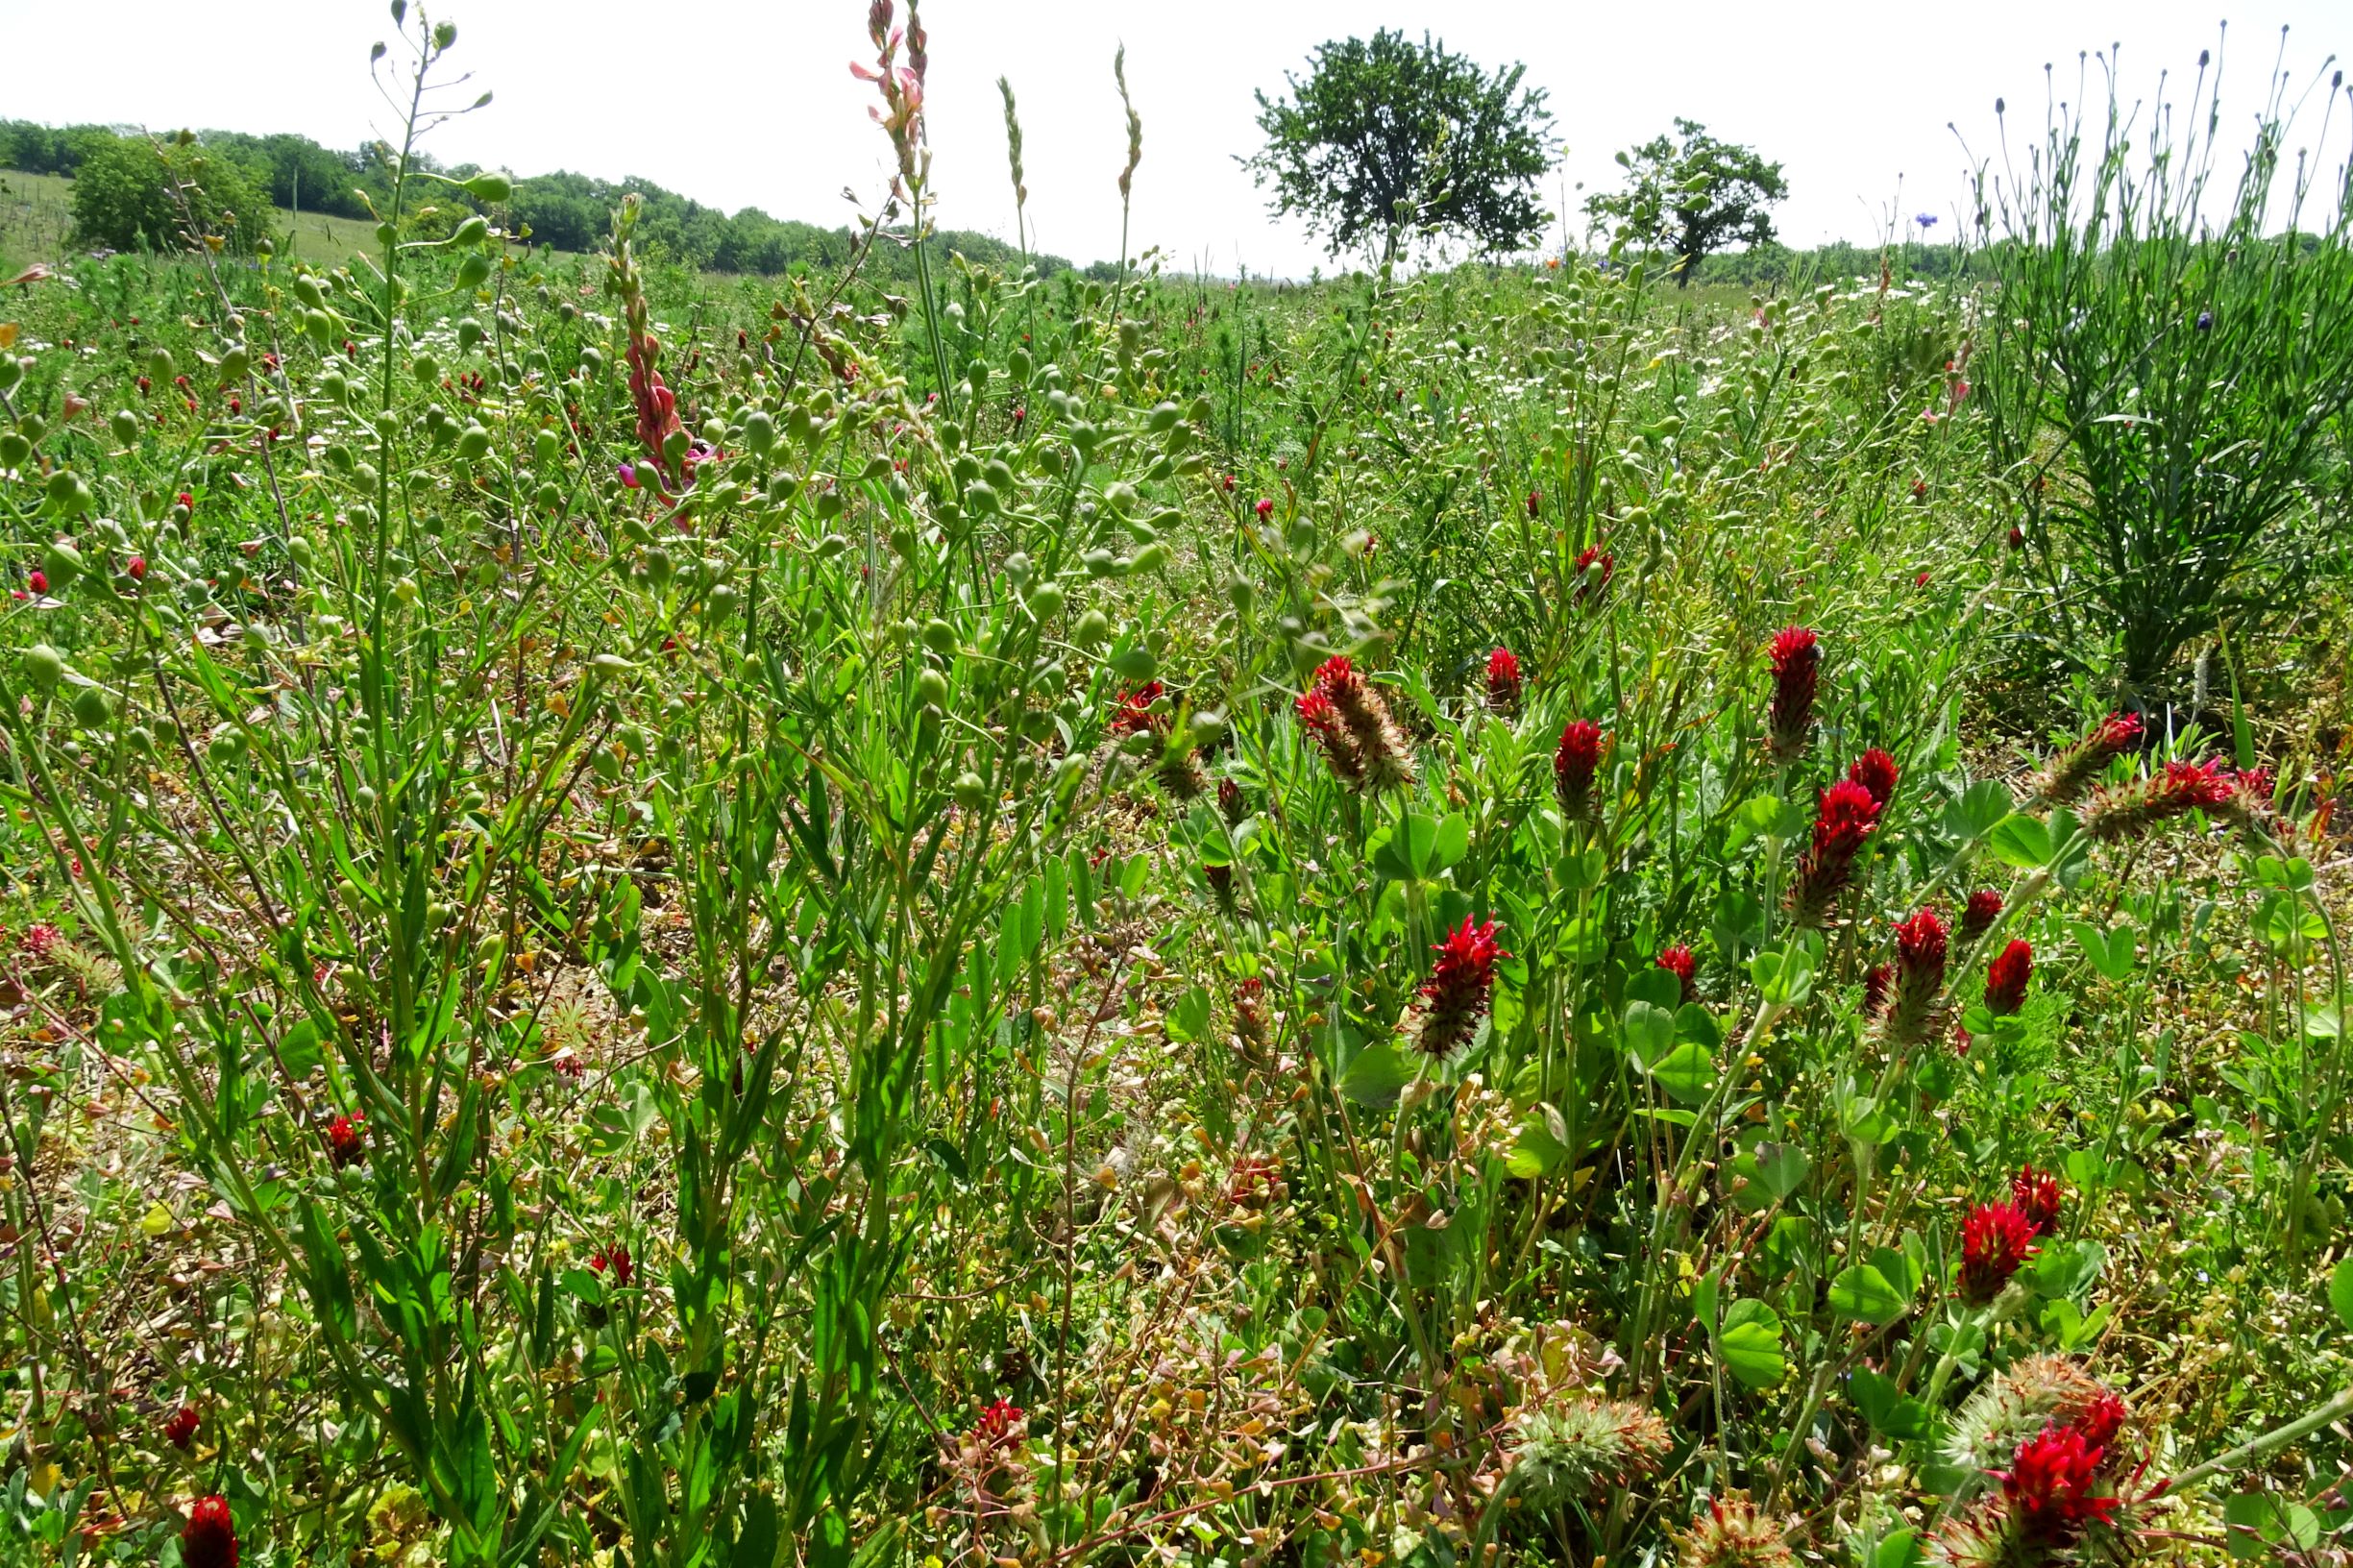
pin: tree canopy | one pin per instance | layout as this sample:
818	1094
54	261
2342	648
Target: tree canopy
129	194
1692	198
1384	136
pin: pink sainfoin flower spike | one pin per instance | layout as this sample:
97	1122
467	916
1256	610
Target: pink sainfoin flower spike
2072	772
1978	914
1996	1241
1918	982
1504	684
1460	984
2007	977
1846	817
1877	771
1796	671
1574	766
1683	964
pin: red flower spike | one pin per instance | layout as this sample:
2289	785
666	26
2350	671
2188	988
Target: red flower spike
1503	685
615	1261
1574	763
1996	1241
2072	772
1919	978
37	581
1134	715
1683	964
181	1430
1797	672
1230	802
1265	508
1536	505
1978	914
1460	984
1845	818
210	1539
2035	1193
347	1139
1876	981
2007	977
2050	1487
1590	583
2103	1422
1877	771
1376	753
999	1420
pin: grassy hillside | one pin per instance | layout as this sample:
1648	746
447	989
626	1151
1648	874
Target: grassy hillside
37	221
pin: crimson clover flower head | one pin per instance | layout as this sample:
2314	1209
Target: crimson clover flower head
1845	819
1575	762
1536	505
1460	983
614	1260
1996	1239
2035	1193
181	1430
1877	981
2072	772
347	1138
37	581
1230	802
1594	569
1919	981
1978	914
1796	655
1134	715
209	1539
1682	963
1503	683
1001	1420
2102	1421
1265	508
1377	756
2053	1488
39	939
1877	771
2007	977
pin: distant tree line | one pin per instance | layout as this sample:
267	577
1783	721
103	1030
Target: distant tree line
568	212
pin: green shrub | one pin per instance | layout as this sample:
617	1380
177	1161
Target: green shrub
135	194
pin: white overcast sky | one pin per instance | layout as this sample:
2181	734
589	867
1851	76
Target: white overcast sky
738	103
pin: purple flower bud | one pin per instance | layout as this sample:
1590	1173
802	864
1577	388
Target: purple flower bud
628	472
2205	321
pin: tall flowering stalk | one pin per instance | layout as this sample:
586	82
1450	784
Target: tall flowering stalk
1350	723
2072	772
1846	817
1796	654
1459	987
658	430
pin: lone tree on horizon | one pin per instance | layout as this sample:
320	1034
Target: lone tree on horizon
1384	136
1692	200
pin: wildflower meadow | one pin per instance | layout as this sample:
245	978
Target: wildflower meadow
927	907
